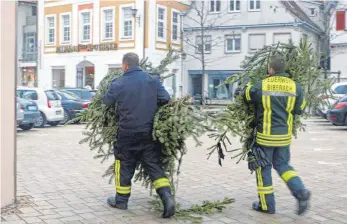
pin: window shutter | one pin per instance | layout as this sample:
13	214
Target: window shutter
340	20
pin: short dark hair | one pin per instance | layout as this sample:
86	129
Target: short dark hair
277	63
131	59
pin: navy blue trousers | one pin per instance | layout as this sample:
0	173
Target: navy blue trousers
280	157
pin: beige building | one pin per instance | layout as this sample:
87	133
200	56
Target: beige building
81	41
7	95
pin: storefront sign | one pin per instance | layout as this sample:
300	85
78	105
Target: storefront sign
89	47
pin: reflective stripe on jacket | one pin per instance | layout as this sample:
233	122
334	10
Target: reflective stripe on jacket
277	99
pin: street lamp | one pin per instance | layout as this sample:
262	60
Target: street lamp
134	13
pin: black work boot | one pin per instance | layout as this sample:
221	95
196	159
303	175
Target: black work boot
119	202
303	197
257	207
168	202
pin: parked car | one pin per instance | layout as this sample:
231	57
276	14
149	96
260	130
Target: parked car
48	102
19	113
72	105
338	90
31	113
338	114
84	94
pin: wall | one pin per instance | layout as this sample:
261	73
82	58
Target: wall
7	83
338	61
266	15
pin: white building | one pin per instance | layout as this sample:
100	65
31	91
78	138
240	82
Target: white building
338	41
82	40
26	43
239	28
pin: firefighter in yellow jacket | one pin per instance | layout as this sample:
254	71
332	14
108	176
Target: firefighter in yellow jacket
277	99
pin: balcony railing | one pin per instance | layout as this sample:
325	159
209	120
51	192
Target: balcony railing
29	56
31	20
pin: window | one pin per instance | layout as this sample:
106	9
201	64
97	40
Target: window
175	26
65	28
341	90
341	20
127	23
161	24
281	38
254	5
233	43
207	44
86	26
234	5
108	24
29	47
256	41
50	23
215	5
33	10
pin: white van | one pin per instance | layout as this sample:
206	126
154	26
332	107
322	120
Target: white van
48	102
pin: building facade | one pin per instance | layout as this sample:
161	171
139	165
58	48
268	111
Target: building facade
338	41
27	43
81	41
237	28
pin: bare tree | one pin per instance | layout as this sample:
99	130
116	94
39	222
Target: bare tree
204	21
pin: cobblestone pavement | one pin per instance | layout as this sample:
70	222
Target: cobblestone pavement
60	182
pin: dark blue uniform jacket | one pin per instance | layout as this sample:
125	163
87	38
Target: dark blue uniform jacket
136	94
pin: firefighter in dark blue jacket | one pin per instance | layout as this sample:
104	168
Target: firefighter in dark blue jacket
277	99
137	95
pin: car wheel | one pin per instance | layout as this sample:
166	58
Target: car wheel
67	117
346	120
55	123
26	126
41	121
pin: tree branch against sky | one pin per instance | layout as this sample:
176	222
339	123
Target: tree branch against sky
205	33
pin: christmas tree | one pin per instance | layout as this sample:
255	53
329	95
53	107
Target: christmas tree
173	123
237	119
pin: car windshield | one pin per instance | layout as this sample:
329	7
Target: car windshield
69	95
51	95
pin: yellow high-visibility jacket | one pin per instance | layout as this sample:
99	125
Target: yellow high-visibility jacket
277	99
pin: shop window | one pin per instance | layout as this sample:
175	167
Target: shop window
29	77
58	78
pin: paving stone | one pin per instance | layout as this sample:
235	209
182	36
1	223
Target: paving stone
32	220
77	193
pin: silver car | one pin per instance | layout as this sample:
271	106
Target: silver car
19	112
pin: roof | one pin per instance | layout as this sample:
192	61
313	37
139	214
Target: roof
296	11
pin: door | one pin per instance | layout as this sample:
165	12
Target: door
197	85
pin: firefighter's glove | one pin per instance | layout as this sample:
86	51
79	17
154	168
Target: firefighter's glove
252	162
260	156
220	153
